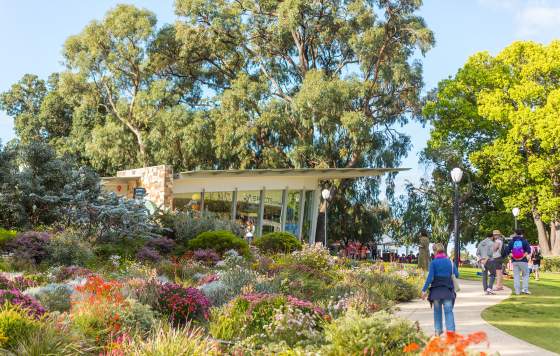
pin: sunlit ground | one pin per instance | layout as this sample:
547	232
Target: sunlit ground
534	318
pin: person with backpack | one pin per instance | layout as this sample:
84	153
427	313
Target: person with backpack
442	292
519	250
485	253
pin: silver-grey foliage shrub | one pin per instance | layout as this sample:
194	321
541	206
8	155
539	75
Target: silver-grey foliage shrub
54	296
189	225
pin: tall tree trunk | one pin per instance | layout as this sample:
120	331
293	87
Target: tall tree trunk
544	242
555	238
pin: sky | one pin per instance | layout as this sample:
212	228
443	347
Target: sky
32	33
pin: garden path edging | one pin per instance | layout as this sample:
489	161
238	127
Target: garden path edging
469	305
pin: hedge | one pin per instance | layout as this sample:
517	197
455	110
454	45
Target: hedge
219	241
278	242
551	264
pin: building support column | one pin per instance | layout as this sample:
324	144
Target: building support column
314	214
234	205
202	203
301	213
260	216
284	210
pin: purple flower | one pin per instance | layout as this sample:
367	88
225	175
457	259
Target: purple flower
19	282
30	246
148	254
207	256
162	244
28	303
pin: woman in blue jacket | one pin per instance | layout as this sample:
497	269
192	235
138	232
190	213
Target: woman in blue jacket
441	292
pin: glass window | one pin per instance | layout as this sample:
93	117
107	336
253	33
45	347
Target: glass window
272	211
292	213
247	207
308	213
219	203
187	201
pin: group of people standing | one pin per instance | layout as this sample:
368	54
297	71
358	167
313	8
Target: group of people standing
491	253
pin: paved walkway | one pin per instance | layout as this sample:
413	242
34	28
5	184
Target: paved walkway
468	308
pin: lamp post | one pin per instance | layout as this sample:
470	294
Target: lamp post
456	176
326	195
515	212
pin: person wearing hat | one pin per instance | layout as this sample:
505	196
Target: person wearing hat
498	260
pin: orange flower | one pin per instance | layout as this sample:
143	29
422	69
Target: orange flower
411	347
478	337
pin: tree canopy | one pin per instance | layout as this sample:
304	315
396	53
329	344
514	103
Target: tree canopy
238	84
498	118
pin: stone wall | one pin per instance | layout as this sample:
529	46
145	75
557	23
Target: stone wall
158	181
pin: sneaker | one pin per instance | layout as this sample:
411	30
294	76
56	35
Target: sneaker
526	292
489	291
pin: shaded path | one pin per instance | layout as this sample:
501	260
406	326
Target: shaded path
469	305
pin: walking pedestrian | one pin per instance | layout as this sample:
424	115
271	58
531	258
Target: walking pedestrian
485	253
536	257
498	260
441	291
520	250
424	250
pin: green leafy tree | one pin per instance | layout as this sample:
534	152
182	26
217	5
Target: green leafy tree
310	84
498	117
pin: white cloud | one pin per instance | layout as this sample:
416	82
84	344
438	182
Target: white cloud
533	19
538	20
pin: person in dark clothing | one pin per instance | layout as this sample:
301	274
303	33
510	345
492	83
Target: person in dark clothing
484	252
536	258
441	291
519	250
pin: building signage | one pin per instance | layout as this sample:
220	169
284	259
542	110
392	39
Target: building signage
139	193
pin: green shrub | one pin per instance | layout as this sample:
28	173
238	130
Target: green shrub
379	334
187	227
165	340
49	339
278	242
551	264
313	257
69	248
6	236
54	296
390	286
244	316
15	325
126	248
137	318
220	241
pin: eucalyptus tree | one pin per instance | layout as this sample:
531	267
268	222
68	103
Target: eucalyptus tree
118	67
306	83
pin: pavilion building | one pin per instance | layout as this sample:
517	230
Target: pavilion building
274	199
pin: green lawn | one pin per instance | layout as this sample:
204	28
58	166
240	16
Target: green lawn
534	318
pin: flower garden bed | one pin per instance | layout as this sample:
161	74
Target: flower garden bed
193	301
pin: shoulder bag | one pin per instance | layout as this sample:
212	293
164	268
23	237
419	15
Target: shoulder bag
456	285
